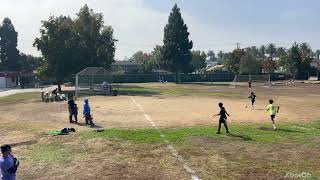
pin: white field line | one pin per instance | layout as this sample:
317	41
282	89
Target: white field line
173	151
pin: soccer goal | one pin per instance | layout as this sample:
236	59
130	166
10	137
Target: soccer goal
256	80
93	81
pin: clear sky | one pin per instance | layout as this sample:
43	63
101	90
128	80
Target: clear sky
213	24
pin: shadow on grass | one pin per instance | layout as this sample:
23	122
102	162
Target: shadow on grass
207	84
124	92
242	136
278	129
84	124
24	143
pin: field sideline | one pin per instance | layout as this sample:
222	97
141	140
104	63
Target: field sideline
132	147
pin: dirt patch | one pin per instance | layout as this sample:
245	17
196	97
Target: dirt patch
172	111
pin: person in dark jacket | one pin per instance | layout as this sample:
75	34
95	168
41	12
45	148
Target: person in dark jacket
73	110
223	118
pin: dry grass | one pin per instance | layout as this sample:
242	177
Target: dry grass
128	149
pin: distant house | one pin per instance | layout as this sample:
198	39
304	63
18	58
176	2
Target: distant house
125	67
211	63
12	79
216	67
315	63
9	79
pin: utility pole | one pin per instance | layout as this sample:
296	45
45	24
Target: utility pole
238	45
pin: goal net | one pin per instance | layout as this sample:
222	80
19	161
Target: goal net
93	81
256	80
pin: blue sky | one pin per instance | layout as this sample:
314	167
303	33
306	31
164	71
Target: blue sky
213	24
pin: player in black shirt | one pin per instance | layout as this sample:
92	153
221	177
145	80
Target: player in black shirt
223	118
253	99
73	110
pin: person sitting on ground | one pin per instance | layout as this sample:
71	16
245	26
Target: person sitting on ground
8	163
87	113
55	91
73	110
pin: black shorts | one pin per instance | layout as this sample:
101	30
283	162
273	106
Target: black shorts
272	117
252	102
222	120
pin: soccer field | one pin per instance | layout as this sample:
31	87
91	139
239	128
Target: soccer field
166	131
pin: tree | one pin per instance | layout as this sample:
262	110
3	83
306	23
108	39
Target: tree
233	62
156	57
198	61
211	56
281	52
249	64
293	61
143	59
96	41
176	44
148	61
317	53
271	50
269	65
138	57
306	51
58	44
220	58
29	62
262	51
9	54
69	46
253	51
306	58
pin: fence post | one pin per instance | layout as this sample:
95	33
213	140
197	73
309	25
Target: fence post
77	86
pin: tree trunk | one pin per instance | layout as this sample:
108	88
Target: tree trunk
177	81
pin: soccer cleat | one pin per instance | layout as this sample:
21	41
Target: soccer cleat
218	132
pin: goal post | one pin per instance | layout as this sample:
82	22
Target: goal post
256	80
93	81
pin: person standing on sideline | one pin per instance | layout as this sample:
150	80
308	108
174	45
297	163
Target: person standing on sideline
223	118
8	163
273	110
87	113
73	110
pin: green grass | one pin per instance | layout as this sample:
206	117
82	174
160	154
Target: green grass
286	133
53	153
20	97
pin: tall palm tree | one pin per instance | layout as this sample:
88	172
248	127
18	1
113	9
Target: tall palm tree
262	51
318	54
271	50
306	51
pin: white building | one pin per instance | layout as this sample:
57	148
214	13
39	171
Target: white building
315	63
8	79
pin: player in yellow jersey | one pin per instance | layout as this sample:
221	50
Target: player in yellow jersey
273	110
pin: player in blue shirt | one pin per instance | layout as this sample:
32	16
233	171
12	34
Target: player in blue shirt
8	163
